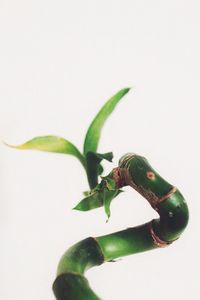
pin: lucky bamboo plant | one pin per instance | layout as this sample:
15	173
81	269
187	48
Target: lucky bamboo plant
133	170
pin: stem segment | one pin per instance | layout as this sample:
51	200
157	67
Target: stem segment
136	172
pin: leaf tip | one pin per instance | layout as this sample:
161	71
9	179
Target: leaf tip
11	146
77	207
126	90
108	218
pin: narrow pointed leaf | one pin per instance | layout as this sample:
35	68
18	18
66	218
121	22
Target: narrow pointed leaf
94	131
100	169
91	202
99	157
109	183
51	143
108	196
93	166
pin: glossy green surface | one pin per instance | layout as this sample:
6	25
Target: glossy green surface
173	210
168	202
70	283
138	168
73	287
80	257
174	216
126	242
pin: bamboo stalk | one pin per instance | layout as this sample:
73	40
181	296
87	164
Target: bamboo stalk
135	171
70	282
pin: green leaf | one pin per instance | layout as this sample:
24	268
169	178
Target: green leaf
91	202
109	183
98	157
108	196
93	166
94	131
100	169
51	143
101	195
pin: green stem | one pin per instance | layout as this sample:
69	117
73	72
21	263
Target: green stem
91	170
70	282
136	172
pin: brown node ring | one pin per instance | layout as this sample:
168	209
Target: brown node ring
169	194
156	239
119	181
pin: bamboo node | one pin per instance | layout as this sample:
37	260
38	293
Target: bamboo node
156	239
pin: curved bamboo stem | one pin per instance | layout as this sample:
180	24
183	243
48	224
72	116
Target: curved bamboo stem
135	171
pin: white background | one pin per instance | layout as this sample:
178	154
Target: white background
59	62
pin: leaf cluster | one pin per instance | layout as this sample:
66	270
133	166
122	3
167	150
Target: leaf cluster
100	194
